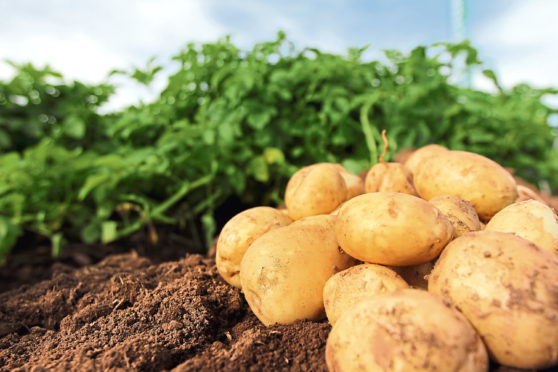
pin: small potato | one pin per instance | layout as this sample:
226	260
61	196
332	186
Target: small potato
507	287
417	275
473	177
417	157
531	220
283	273
391	177
355	184
347	288
392	229
239	233
459	212
315	189
525	193
406	330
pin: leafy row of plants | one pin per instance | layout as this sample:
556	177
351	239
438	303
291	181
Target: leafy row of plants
239	123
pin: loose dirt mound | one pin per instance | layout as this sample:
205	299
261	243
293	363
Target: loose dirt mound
127	314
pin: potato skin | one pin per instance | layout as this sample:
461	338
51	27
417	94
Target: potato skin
406	330
507	287
418	156
392	229
237	235
531	220
473	177
460	212
283	273
347	288
315	189
390	177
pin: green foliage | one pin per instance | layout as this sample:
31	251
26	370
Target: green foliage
37	103
232	122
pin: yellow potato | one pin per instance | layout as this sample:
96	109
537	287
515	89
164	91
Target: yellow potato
417	275
473	177
316	189
355	184
417	157
392	229
283	273
460	212
406	330
531	220
508	289
347	288
239	233
390	177
525	193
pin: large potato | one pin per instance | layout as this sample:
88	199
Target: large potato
407	330
459	212
315	189
417	157
283	273
392	229
531	220
388	177
508	289
473	177
347	288
239	233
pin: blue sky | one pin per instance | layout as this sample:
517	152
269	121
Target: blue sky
86	39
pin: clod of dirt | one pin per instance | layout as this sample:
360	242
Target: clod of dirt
127	314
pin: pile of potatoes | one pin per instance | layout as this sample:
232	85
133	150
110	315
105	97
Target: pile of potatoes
438	264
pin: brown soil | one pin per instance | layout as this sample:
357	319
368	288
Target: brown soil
126	313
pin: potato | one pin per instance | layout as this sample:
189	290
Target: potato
406	330
417	275
531	220
508	289
355	184
473	177
347	288
392	229
417	157
392	177
525	193
459	212
283	273
239	233
315	189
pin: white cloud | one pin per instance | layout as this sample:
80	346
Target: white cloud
520	44
86	40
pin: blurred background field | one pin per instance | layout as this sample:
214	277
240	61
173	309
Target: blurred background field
144	116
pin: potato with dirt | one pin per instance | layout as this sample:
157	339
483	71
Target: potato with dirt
237	235
475	178
416	276
315	189
406	330
460	212
531	220
347	288
391	228
283	273
507	287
